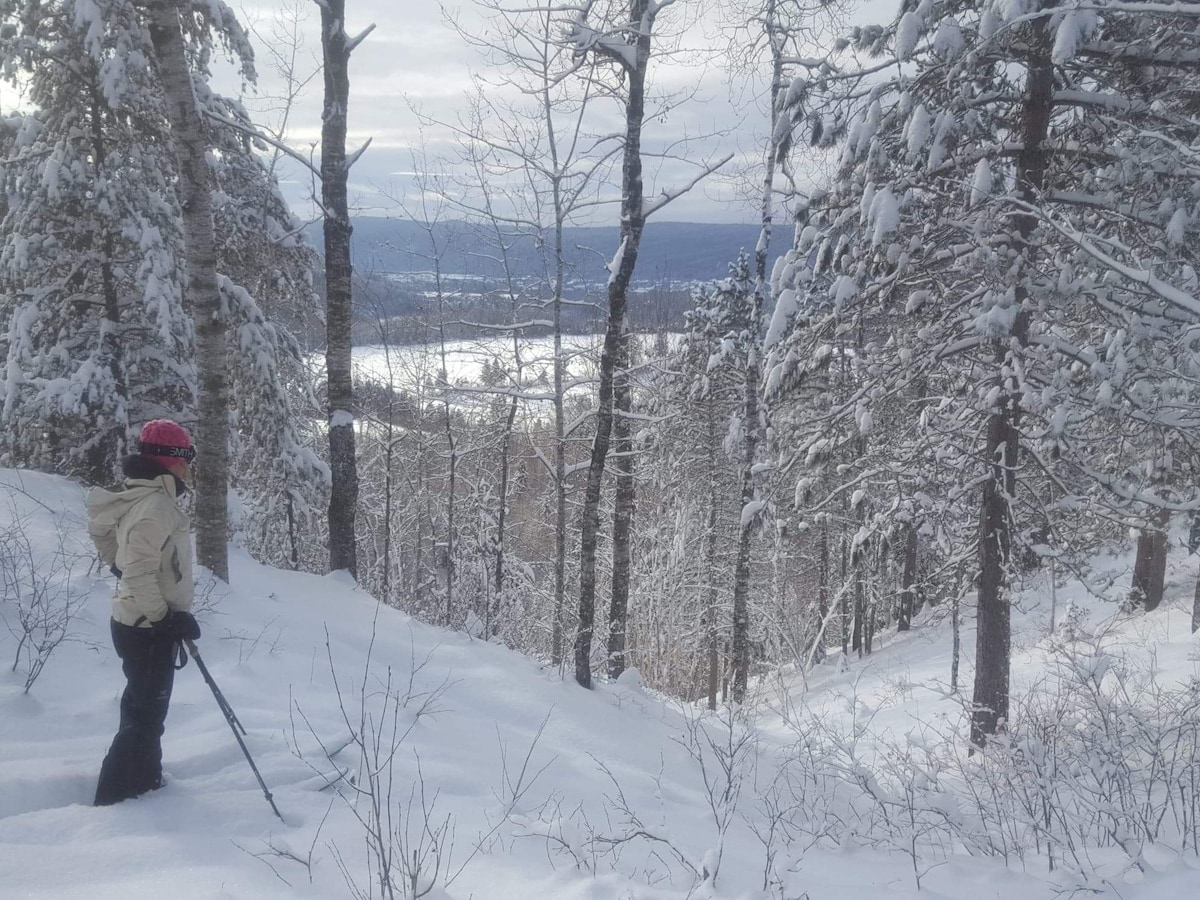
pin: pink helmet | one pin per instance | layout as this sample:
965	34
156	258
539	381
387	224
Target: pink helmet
164	438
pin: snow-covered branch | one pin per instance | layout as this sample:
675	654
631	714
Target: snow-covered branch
352	43
583	39
253	132
354	157
1164	291
650	207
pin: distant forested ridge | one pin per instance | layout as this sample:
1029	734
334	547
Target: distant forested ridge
671	252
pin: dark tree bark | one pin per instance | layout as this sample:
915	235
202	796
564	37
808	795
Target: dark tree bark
1196	608
994	628
860	610
1150	564
335	171
452	465
623	463
557	642
389	455
710	556
752	414
633	219
956	632
883	581
560	435
844	600
105	451
741	572
1193	545
858	562
190	144
908	597
818	654
505	465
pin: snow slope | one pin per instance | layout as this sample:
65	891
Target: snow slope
531	786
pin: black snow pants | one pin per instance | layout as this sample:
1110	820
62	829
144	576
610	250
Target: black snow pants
133	764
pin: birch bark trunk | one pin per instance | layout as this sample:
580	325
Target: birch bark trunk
190	144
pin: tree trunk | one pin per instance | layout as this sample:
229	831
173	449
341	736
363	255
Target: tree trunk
860	610
505	465
560	445
710	557
993	616
293	537
1193	545
388	457
844	601
560	466
993	635
452	448
956	633
343	497
751	414
632	222
882	585
908	603
869	627
741	576
618	619
189	139
1150	564
1196	608
818	654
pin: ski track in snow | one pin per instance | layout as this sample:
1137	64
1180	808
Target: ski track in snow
211	834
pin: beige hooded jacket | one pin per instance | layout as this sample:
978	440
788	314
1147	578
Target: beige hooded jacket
142	532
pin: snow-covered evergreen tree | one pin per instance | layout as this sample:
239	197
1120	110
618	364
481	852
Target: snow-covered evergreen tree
267	284
97	330
1008	251
95	335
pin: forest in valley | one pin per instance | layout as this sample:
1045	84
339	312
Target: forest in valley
963	349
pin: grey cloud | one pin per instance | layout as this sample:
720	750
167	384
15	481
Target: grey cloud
412	58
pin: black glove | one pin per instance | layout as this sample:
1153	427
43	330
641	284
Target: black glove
113	568
177	625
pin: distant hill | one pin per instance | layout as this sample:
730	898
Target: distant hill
671	252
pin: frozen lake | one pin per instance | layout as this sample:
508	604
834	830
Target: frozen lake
482	369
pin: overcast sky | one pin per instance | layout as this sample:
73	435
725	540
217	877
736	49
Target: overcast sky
413	58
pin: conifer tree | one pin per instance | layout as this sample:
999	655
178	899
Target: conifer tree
1010	235
96	337
97	324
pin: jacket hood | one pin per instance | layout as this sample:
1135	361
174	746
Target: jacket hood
142	477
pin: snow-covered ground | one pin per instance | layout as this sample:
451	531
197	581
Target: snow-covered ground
505	780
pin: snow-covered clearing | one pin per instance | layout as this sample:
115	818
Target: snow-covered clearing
531	786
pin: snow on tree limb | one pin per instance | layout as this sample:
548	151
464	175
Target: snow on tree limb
259	135
583	38
354	157
352	43
1164	291
667	195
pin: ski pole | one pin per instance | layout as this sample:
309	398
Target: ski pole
232	719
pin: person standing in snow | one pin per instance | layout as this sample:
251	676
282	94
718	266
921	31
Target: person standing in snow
143	536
